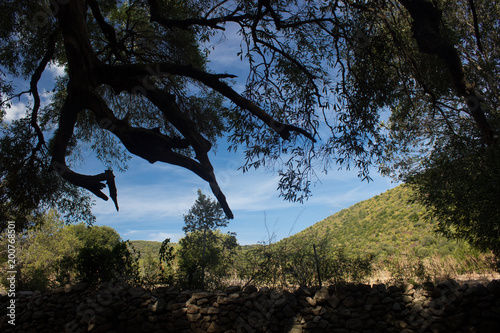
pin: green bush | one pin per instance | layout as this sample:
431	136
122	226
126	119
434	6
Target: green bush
97	263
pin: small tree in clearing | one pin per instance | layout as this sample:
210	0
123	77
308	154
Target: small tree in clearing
205	216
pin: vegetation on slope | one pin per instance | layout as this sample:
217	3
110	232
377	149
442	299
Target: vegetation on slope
146	247
387	237
387	225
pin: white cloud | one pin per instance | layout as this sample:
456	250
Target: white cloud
152	235
19	107
161	236
255	192
16	111
56	70
143	202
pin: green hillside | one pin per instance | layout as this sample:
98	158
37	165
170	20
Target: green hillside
384	226
145	247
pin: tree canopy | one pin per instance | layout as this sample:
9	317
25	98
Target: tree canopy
392	84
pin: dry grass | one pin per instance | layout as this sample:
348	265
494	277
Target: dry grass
435	269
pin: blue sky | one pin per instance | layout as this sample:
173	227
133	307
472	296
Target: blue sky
154	197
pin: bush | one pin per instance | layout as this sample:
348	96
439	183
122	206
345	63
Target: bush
96	263
280	265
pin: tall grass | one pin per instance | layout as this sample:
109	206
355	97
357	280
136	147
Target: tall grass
435	268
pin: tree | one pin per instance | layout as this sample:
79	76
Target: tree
322	77
39	252
208	271
159	269
102	256
204	218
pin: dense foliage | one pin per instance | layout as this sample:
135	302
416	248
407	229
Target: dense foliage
146	247
210	270
467	209
291	264
102	255
387	225
157	266
204	250
53	254
40	253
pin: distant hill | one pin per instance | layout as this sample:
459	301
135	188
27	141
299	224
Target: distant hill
145	247
385	225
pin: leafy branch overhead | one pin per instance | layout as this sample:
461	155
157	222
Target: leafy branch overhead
322	75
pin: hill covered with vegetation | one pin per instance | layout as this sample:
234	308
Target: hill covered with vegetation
146	247
385	238
387	225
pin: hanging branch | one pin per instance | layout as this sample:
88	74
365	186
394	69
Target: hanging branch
476	26
34	88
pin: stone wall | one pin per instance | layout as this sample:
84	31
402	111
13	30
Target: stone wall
446	307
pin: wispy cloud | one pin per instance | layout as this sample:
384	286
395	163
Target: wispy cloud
161	236
17	110
144	202
56	70
152	235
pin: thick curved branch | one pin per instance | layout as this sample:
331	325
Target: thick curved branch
156	147
34	87
67	121
119	77
155	13
94	184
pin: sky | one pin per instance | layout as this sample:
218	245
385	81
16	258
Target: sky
154	197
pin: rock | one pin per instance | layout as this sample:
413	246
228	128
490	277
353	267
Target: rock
213	311
354	324
250	289
494	287
311	301
38	315
388	300
354	308
214	327
200	295
288	311
408	288
233	289
406	298
137	292
304	291
58	290
193	317
192	308
105	298
264	290
322	295
396	307
334	301
349	302
157	306
80	286
202	301
323	323
26	293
